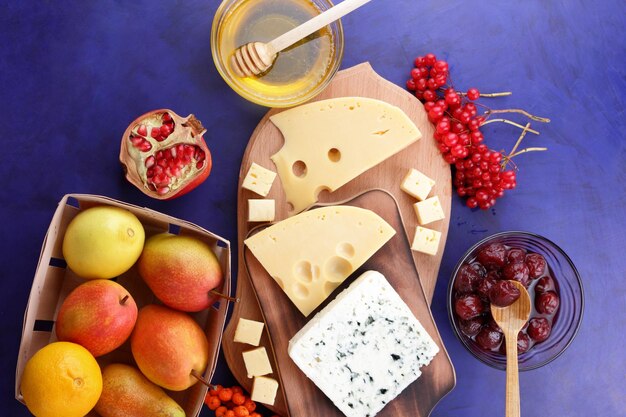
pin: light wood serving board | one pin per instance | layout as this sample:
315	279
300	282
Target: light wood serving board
266	140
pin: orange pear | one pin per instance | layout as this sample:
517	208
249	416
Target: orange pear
98	315
181	271
168	345
127	393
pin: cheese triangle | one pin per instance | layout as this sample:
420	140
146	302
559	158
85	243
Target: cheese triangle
312	253
330	142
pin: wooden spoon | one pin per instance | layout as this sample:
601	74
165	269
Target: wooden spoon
256	57
511	319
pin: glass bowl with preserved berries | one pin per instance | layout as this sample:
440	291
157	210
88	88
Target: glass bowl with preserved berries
300	72
552	281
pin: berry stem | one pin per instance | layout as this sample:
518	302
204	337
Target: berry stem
510	123
520	111
514	152
519	140
502	94
528	150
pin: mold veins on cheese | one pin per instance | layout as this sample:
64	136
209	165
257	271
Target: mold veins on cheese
330	142
364	348
311	254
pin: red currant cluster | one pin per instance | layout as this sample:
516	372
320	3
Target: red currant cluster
480	174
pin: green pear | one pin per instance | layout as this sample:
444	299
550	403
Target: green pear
127	393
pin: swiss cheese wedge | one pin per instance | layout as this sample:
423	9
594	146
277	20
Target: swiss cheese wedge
330	142
312	253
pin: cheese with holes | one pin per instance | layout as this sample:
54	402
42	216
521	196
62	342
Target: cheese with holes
426	240
364	348
330	142
310	254
259	180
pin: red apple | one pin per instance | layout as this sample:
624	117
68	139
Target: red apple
99	315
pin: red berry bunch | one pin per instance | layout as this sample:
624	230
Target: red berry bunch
480	173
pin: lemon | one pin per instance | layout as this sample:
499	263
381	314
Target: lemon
61	380
103	242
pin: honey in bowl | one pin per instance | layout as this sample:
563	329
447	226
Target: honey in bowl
298	71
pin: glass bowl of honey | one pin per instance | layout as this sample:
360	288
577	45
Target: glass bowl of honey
300	72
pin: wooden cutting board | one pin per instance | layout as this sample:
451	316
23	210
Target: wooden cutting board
266	140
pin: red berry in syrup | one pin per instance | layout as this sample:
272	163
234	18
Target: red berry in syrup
547	302
523	343
504	293
515	254
488	339
539	329
536	265
468	306
484	287
492	255
466	280
544	284
470	328
517	271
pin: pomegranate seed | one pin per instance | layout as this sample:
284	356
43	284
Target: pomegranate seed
199	164
166	117
158	170
150	161
144	146
200	155
136	140
150	173
173	153
163	190
165	131
142	130
189	150
155	132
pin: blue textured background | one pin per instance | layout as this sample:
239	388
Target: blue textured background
74	74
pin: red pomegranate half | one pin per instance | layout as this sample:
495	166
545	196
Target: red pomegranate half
165	155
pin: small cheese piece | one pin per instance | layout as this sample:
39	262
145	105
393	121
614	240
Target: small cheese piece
248	331
311	254
264	390
260	210
259	180
330	142
364	348
429	210
417	184
426	240
257	363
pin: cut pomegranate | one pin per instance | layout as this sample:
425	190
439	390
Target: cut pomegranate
165	155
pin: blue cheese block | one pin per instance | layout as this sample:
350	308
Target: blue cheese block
364	348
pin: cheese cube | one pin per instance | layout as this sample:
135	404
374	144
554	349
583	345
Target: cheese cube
257	363
429	210
248	331
261	210
417	184
259	180
264	390
426	240
364	348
